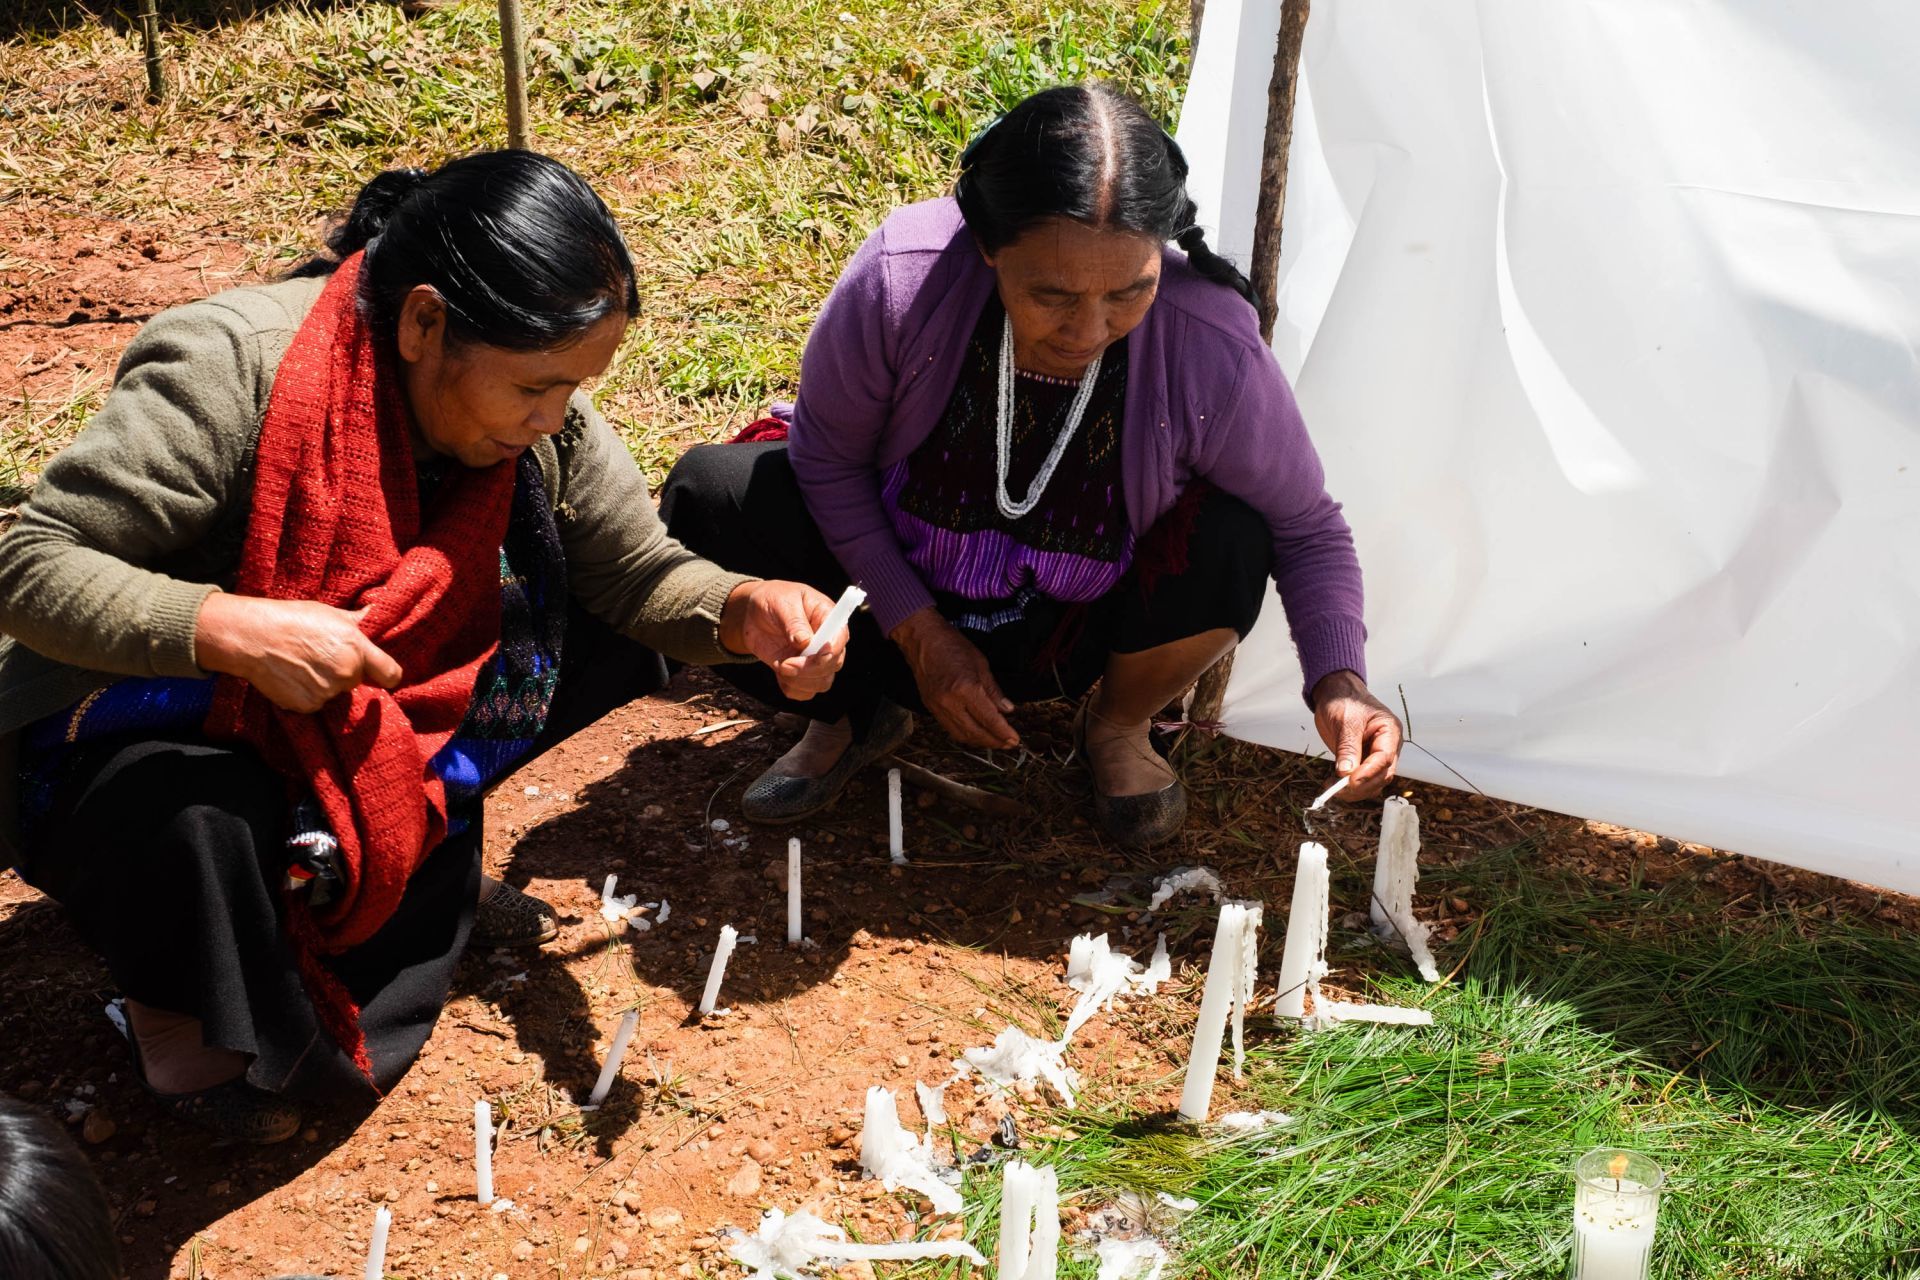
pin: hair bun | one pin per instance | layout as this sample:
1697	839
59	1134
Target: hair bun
374	207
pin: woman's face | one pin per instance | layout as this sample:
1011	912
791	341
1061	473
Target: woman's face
1072	291
480	404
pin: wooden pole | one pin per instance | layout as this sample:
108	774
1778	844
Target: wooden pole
1273	161
150	35
513	44
1211	689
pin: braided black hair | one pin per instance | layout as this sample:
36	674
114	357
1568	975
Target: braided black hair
1090	153
522	251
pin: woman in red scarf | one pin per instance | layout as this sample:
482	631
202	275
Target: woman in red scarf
335	556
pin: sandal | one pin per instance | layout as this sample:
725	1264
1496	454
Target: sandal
775	798
509	918
233	1111
1135	822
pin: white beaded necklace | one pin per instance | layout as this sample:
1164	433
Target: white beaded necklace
1003	430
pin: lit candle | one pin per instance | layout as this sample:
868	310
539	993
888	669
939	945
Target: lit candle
850	599
721	953
1616	1201
896	846
793	891
483	1152
377	1247
1225	967
611	1071
1303	960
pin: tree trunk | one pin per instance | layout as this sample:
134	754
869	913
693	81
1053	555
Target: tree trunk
1211	689
513	44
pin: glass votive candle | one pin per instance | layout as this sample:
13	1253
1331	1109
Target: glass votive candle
1616	1199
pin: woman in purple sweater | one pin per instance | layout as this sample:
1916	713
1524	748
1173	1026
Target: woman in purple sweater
1056	453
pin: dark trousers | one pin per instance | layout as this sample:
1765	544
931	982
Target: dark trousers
1204	567
169	856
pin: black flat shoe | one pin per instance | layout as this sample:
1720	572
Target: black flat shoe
1133	822
775	798
234	1112
510	918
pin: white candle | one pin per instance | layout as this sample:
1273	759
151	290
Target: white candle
1019	1189
721	953
879	1132
896	835
1320	801
1303	961
377	1247
850	599
793	891
1043	1255
483	1152
611	1071
1396	871
1614	1214
1243	979
1216	1001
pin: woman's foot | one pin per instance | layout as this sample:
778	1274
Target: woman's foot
811	775
204	1086
507	917
1137	797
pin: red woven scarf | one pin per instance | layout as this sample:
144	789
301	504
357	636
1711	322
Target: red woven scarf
336	518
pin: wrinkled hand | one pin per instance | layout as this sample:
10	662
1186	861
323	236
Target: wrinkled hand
300	654
955	682
1362	734
774	621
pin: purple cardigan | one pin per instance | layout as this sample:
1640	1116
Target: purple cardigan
1205	397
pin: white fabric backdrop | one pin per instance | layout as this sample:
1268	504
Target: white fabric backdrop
1604	316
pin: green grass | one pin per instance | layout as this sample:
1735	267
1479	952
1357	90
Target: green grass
746	149
1767	1063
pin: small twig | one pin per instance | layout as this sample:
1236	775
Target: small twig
1691	1063
960	792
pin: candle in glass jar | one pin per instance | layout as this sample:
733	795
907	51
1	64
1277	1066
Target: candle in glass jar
1616	1202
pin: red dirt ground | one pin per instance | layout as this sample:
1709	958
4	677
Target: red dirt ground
713	1120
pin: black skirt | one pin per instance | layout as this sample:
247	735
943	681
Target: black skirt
168	857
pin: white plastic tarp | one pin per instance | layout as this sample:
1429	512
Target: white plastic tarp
1604	316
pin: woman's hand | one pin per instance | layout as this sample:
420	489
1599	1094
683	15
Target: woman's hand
955	682
1362	734
774	621
300	654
